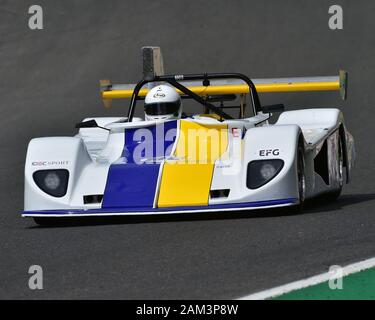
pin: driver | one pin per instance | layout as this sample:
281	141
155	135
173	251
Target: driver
162	103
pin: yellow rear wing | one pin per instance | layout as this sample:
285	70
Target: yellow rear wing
153	66
221	87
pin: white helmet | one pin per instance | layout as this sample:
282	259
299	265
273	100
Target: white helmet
162	102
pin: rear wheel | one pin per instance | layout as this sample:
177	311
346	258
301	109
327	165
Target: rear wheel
331	196
301	177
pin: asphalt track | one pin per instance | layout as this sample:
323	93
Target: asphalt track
49	81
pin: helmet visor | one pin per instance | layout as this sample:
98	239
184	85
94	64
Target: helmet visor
162	108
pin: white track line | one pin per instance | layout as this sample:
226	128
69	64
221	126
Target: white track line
277	291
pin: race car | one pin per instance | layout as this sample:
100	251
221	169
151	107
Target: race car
223	158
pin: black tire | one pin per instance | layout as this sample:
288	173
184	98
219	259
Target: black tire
301	177
333	195
301	181
46	222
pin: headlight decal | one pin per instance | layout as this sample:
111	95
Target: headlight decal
52	182
260	172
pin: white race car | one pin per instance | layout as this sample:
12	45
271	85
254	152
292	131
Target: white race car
210	161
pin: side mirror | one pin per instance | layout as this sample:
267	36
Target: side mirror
87	124
90	124
273	108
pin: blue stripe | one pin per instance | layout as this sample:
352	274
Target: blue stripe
256	204
133	185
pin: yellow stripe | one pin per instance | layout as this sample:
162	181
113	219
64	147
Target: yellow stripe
237	89
187	181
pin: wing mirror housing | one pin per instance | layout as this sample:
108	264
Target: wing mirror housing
89	124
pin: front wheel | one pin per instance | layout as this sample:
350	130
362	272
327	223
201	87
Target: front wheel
301	177
46	222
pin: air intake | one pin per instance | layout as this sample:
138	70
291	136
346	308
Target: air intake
92	198
223	193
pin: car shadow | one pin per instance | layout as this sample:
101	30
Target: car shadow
318	204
